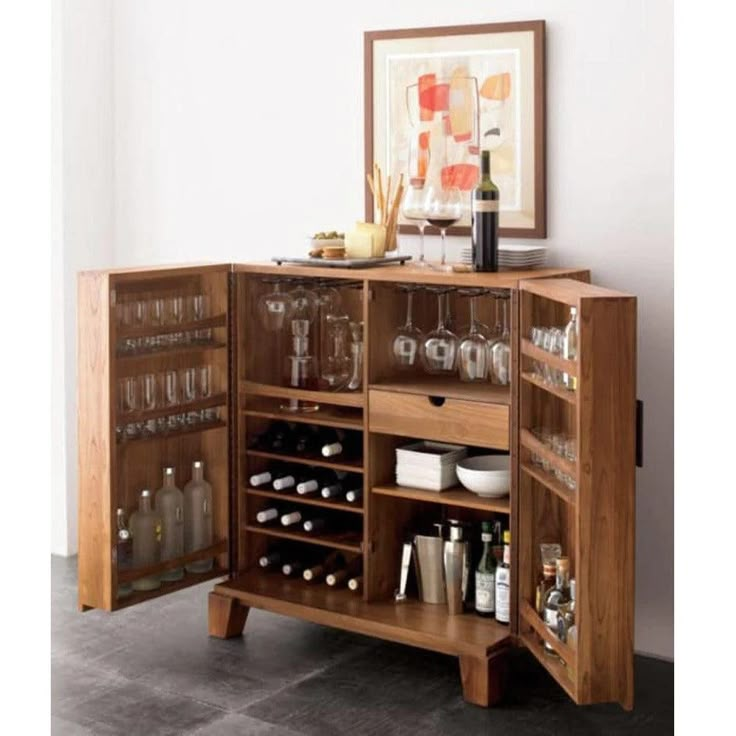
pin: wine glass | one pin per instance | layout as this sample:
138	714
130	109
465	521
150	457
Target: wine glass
304	304
274	308
443	207
501	353
412	209
473	349
438	350
408	337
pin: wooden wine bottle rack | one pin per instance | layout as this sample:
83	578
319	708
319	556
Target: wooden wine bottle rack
594	522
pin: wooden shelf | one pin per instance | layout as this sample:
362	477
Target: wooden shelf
560	393
307	500
218	548
189	579
550	482
456	496
327	416
350	466
556	668
347	541
194	429
529	349
173	351
562	464
144	416
410	622
450	388
336	398
123	333
569	291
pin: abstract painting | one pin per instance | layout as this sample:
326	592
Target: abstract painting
434	97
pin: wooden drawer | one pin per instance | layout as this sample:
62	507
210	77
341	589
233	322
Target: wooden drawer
437	418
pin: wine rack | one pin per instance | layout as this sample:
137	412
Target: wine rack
389	408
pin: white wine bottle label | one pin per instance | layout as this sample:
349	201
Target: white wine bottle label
260	479
309	487
293	518
266	515
485	592
503	597
485	205
281	484
334	449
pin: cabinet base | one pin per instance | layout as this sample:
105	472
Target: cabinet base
484	678
225	616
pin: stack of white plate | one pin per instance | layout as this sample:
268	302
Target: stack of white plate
511	255
428	465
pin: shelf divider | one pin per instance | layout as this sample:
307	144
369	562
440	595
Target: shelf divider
562	464
352	466
456	496
550	482
307	500
529	349
560	393
347	541
213	550
337	398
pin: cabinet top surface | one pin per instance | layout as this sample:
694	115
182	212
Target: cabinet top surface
408	273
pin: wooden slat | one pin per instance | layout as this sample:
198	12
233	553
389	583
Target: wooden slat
213	550
193	429
549	481
219	320
562	464
337	398
307	500
141	596
553	666
457	496
351	466
544	356
569	291
326	417
125	359
348	541
560	393
449	388
532	618
144	416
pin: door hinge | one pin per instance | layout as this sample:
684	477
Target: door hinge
639	433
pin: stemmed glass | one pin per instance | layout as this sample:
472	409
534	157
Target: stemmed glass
473	352
438	351
274	308
408	337
412	209
501	353
443	207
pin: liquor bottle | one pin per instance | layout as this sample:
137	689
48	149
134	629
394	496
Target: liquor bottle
317	477
124	549
264	516
291	518
484	218
315	525
342	443
557	598
169	502
503	583
325	567
498	542
340	577
270	560
275	470
485	575
145	526
198	518
545	584
354	495
566	629
570	348
356	583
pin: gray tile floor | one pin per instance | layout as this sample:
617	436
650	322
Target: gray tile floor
153	670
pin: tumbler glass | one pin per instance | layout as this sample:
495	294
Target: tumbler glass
188	379
204	381
171	388
149	391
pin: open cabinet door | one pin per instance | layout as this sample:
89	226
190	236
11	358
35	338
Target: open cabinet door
582	496
132	324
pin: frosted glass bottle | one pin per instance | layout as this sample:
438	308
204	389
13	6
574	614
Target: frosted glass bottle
170	505
124	549
145	527
198	517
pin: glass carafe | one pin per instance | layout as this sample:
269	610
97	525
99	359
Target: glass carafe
145	527
124	549
356	352
170	505
198	517
301	367
336	363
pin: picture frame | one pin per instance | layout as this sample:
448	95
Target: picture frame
433	97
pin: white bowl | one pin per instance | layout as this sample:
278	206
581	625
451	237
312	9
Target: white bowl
486	475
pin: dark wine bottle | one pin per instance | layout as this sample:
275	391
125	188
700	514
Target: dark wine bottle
318	571
275	470
339	442
334	484
484	218
314	525
354	495
282	437
289	480
315	479
306	440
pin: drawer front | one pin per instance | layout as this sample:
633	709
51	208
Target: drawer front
435	418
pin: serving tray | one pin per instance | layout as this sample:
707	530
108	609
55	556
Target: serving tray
343	262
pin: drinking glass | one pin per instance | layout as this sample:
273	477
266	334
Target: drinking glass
175	310
199	307
171	388
137	311
274	308
537	338
412	209
443	207
438	351
188	380
129	393
149	391
204	381
156	311
408	338
473	350
501	353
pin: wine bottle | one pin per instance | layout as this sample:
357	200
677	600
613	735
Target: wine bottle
318	571
289	481
484	218
275	470
317	478
269	560
335	484
356	583
314	525
306	440
339	442
293	567
282	437
354	495
339	577
266	515
293	517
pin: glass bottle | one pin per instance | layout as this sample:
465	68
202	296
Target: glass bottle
570	348
170	505
336	367
484	218
124	549
356	353
145	526
485	575
545	584
503	582
198	518
567	631
557	598
301	367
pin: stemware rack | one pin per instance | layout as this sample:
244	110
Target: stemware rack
390	407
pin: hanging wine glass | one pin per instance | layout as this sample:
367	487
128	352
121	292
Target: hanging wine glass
443	207
438	350
501	353
336	363
304	304
274	309
408	337
473	349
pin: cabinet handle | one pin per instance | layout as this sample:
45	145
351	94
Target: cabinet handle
639	433
436	400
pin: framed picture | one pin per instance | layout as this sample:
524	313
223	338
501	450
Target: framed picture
434	97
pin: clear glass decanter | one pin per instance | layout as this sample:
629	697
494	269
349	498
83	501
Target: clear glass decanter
301	367
356	351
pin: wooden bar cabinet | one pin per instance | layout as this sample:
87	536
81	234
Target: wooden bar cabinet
594	522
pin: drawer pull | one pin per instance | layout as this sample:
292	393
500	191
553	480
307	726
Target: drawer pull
436	400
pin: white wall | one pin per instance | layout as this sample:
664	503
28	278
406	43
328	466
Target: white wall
239	128
82	151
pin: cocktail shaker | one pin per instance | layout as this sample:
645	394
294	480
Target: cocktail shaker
428	560
456	561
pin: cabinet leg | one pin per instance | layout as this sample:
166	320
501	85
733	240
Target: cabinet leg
484	678
226	616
